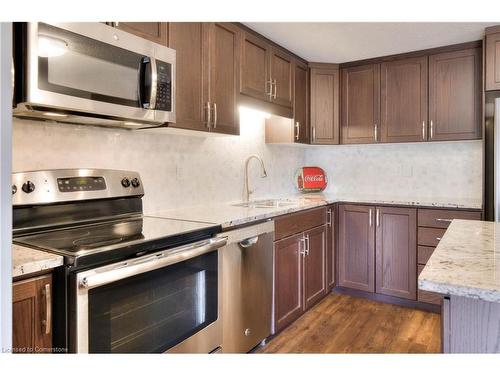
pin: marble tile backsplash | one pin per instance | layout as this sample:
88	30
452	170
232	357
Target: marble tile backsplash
441	172
182	171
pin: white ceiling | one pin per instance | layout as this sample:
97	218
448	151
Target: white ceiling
339	42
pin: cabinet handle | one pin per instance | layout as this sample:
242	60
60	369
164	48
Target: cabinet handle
208	114
432	130
307	244
275	88
47	322
445	220
370	217
313	133
423	130
329	217
438	238
215	116
377	218
270	93
375	132
297	128
302	246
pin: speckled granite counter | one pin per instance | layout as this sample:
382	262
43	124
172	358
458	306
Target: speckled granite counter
466	262
228	215
26	261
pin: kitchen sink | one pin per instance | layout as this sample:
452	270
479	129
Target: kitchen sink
267	203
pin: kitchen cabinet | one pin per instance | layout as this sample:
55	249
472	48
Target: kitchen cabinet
266	80
153	31
455	95
395	252
356	247
325	102
190	40
32	315
288	301
403	86
300	254
330	248
492	53
360	104
301	103
207	78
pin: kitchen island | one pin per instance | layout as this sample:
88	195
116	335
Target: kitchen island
465	268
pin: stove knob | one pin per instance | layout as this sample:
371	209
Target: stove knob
125	182
28	187
136	182
14	189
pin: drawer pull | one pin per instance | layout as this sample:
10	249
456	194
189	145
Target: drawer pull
445	220
438	238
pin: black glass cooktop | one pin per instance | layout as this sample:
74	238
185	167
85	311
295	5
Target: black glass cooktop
117	239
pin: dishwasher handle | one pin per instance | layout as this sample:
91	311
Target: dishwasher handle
249	242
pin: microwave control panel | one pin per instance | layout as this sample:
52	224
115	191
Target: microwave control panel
164	93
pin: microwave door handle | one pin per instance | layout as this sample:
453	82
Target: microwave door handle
144	102
147	101
154	84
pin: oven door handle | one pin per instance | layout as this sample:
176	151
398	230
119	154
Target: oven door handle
119	271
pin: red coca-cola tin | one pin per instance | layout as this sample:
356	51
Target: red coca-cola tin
310	179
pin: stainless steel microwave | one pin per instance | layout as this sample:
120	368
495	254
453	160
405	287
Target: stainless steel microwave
92	73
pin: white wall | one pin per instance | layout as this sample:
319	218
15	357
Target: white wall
176	170
5	187
445	172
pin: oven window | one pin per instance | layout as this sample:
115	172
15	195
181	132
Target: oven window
72	64
154	311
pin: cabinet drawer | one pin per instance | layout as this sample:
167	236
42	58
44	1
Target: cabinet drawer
424	253
430	236
299	222
428	297
443	218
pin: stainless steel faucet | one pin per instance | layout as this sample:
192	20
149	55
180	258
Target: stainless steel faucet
264	174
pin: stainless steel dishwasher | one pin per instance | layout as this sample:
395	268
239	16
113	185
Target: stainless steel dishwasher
247	287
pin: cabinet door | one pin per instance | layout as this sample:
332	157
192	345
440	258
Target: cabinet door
281	76
255	74
356	247
360	115
314	265
288	301
32	315
225	46
300	103
403	86
153	31
455	95
396	252
190	40
325	106
330	248
493	62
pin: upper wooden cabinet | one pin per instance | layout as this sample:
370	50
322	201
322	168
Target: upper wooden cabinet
301	103
360	113
493	58
266	79
455	95
403	85
32	315
356	247
325	104
153	31
208	63
190	40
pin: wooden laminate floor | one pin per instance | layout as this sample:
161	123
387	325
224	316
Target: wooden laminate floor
345	324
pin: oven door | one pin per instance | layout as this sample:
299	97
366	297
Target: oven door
93	68
169	300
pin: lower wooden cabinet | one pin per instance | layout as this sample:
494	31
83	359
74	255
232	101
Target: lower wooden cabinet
300	278
32	315
330	248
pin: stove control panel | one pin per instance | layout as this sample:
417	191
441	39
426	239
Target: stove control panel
68	185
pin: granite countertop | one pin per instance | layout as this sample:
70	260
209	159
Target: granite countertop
26	261
228	215
466	262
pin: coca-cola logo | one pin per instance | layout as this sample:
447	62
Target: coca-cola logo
313	178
